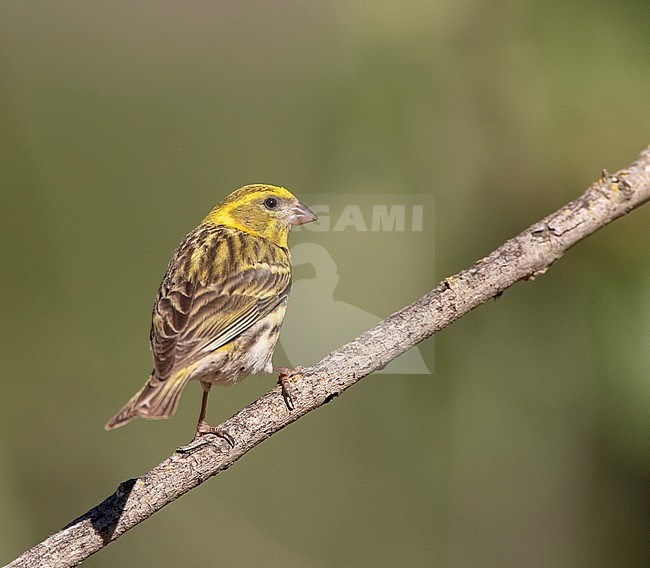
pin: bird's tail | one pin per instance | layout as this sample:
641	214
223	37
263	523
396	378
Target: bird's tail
156	399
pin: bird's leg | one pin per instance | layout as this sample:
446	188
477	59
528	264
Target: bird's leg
202	427
283	381
204	406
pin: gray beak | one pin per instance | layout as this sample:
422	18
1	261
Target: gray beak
301	214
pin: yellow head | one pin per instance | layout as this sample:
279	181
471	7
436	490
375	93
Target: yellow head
263	210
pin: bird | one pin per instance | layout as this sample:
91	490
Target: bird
220	306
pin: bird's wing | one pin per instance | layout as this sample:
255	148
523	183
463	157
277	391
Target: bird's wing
202	307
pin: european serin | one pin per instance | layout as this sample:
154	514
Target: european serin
220	306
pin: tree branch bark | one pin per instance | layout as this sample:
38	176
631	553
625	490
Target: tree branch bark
524	257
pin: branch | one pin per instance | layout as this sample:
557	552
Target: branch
524	257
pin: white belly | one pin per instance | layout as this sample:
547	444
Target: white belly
249	353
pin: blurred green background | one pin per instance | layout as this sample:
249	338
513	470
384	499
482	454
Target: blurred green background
123	123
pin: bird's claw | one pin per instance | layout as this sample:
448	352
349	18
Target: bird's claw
202	428
285	384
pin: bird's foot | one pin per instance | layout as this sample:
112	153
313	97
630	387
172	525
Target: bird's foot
284	381
202	428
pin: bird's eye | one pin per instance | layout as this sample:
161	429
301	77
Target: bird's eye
270	203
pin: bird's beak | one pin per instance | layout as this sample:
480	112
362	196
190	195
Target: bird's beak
301	214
